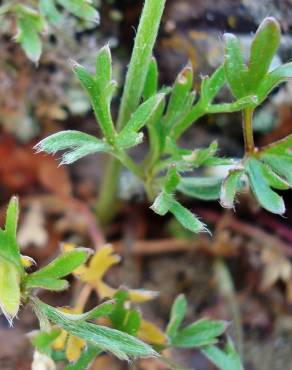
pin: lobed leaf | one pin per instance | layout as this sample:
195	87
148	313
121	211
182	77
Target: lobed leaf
198	334
227	359
29	25
77	143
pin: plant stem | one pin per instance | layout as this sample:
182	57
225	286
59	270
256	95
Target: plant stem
248	130
134	85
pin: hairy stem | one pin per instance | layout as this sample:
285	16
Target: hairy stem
134	84
248	130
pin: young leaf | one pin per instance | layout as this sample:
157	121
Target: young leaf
198	334
230	187
225	360
235	68
268	199
263	48
178	312
179	96
55	285
172	180
77	144
273	179
151	83
120	344
29	25
205	188
81	9
100	100
60	267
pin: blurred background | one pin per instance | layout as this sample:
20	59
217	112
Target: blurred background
242	273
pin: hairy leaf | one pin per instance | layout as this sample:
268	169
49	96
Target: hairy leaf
151	83
120	344
230	187
81	9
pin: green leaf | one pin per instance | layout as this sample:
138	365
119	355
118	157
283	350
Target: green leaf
120	344
61	266
273	79
179	96
29	25
151	83
140	118
104	309
205	188
186	218
122	318
103	73
9	248
178	312
227	359
49	10
230	187
273	179
86	358
81	9
264	46
211	85
100	99
77	143
44	340
268	199
200	333
172	180
162	203
235	68
9	289
54	285
12	217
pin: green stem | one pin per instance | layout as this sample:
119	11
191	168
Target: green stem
134	85
248	130
197	112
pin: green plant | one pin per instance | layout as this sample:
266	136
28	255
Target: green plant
75	337
32	19
168	113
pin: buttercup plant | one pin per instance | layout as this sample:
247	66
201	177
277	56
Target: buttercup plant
76	337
